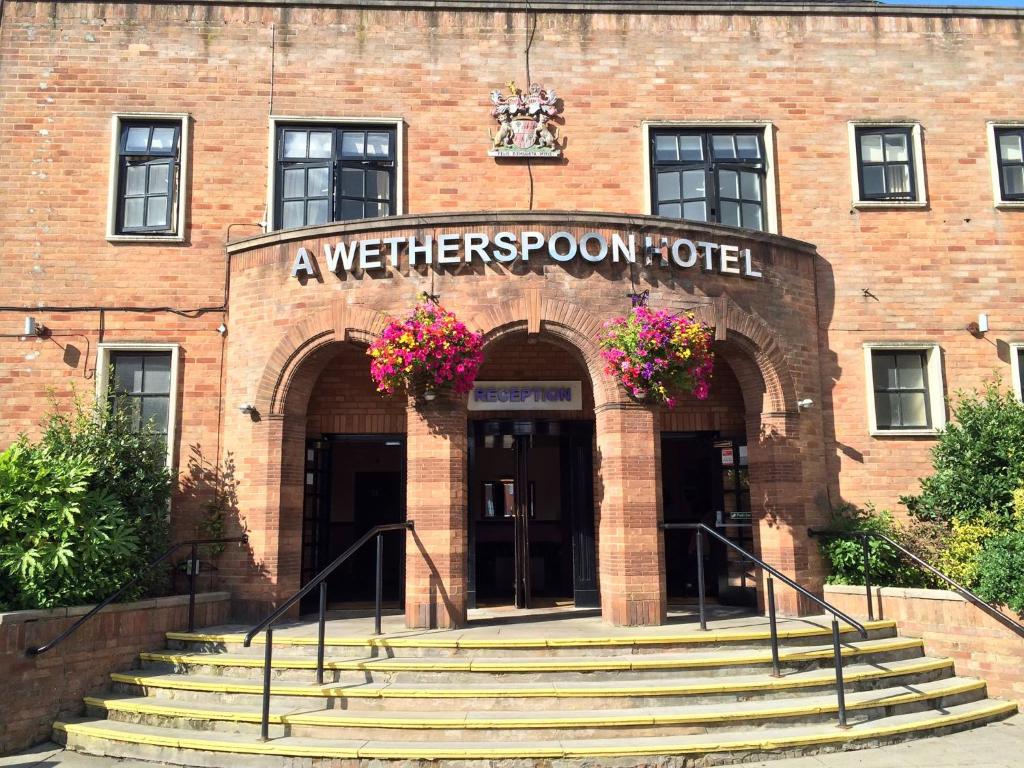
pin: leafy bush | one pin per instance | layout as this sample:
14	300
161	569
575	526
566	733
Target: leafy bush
82	510
1001	570
960	558
978	460
845	556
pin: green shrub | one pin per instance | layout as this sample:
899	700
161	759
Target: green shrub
978	460
1001	570
82	510
960	558
845	556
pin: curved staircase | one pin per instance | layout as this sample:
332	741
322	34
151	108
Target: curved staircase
658	696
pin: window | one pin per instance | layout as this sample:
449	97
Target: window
713	175
1007	144
147	191
1017	369
904	388
145	376
887	167
330	173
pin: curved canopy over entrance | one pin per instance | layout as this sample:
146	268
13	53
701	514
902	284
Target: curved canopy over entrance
550	278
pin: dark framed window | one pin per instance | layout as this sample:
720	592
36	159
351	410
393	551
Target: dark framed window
1018	360
334	173
142	381
885	164
1010	162
714	176
901	389
147	180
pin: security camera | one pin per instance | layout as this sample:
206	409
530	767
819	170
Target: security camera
247	408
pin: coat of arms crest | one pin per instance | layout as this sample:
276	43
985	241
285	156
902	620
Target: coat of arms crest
524	122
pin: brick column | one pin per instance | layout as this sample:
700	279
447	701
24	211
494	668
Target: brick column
632	550
786	474
435	560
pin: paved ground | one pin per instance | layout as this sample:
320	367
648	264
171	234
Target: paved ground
1000	745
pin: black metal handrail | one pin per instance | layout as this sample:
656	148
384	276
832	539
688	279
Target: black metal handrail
865	536
320	580
192	561
700	529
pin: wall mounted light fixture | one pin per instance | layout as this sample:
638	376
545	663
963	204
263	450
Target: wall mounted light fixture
33	328
804	404
980	327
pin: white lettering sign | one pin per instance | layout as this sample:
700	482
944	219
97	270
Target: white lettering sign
506	247
526	396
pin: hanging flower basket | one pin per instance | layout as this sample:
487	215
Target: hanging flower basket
657	356
428	352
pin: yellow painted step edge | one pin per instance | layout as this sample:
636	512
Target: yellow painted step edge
526	665
628	747
567	721
693	638
184	683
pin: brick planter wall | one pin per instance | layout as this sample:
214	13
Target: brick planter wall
40	689
950	626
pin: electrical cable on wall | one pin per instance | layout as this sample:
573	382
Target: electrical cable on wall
531	19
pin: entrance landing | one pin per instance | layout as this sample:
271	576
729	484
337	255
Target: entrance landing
554	626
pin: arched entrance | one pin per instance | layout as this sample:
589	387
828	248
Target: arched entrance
353	480
706	479
530	482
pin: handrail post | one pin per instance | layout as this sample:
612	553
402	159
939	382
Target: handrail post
840	687
773	627
321	631
700	579
380	584
192	563
267	658
865	543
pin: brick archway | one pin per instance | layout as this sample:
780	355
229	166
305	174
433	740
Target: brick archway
568	325
288	366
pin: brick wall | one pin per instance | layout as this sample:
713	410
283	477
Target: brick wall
41	689
927	271
951	627
345	400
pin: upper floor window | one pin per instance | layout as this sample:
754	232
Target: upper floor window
330	173
887	168
1009	163
709	175
147	194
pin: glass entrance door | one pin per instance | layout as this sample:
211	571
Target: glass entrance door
531	514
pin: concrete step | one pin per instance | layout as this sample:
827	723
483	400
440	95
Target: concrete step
512	724
581	693
559	668
458	643
223	750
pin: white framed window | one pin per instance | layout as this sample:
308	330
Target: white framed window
327	169
1006	158
887	165
148	173
1017	369
146	374
905	390
718	172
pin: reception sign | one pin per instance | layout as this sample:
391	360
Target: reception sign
526	396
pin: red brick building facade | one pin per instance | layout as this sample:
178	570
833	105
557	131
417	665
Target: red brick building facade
871	155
